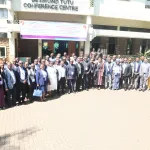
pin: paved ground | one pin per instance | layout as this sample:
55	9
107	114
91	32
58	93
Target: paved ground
94	120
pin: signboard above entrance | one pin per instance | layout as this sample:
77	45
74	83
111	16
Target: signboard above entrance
55	6
53	30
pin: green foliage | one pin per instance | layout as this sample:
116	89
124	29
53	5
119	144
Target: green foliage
146	54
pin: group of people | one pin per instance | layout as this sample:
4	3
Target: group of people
56	75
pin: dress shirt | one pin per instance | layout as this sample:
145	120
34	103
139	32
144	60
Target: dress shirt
63	72
145	67
37	67
79	65
22	74
136	66
124	67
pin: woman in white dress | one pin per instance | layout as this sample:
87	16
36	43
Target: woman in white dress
52	76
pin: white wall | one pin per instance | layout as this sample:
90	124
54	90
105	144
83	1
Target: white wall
133	9
83	6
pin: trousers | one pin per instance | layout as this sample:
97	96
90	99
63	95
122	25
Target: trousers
108	81
136	78
79	82
86	81
11	97
143	81
62	84
71	85
116	82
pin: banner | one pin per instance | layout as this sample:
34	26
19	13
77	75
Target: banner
53	30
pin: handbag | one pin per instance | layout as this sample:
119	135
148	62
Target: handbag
37	92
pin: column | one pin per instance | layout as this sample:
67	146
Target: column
87	48
87	43
39	48
11	35
11	52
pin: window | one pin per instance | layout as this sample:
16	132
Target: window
3	35
3	13
91	3
2	51
124	0
105	27
2	1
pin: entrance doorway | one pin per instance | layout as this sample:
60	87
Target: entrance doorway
51	46
112	45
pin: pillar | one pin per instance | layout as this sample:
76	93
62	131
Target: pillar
11	52
39	48
87	43
11	35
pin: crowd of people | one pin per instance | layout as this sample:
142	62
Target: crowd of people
57	75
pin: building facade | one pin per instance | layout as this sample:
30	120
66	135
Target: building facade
115	27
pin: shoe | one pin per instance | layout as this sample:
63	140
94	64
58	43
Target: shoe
69	92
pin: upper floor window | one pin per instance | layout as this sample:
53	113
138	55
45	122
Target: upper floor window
2	1
124	0
3	13
91	3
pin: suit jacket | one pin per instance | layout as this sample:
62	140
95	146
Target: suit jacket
138	68
40	78
108	70
9	79
145	69
82	69
72	71
87	68
92	68
19	74
128	71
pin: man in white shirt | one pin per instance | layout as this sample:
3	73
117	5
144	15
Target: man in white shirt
62	76
11	80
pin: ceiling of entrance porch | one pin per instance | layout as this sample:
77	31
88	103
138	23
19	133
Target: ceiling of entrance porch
97	20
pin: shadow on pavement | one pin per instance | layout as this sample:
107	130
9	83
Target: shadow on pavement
21	135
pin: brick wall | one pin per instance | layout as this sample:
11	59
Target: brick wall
5	42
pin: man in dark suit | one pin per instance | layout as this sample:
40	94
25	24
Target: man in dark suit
80	70
87	70
11	82
23	77
127	73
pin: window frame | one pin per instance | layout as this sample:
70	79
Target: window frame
4	17
5	51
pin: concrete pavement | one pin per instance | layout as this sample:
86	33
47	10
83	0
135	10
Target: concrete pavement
93	120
